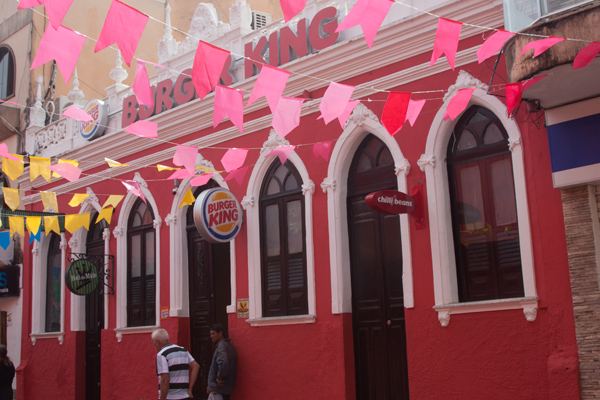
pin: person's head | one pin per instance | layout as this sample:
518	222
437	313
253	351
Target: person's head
3	351
216	333
160	338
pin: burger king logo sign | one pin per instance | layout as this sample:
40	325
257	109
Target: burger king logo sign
218	215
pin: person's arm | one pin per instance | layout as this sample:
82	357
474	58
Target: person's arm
164	386
222	364
194	368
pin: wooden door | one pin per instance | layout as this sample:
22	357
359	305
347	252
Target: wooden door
209	295
376	273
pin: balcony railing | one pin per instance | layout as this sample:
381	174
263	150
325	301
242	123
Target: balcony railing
519	14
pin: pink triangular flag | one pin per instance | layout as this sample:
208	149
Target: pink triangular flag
287	115
369	14
334	101
446	40
67	171
208	65
141	85
56	9
458	103
586	55
321	149
347	111
238	175
185	156
181	174
540	46
414	109
283	152
77	113
291	8
270	83
4	153
134	188
62	45
394	111
201	179
493	44
124	26
513	96
234	159
143	128
229	103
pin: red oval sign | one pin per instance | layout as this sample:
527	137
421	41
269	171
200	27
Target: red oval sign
390	202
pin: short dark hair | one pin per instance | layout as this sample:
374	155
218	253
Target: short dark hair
216	327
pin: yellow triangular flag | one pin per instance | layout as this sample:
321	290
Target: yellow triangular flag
72	162
49	201
33	224
16	225
164	167
113	163
105	213
51	225
77	199
37	167
206	169
187	199
13	168
76	221
11	197
113	200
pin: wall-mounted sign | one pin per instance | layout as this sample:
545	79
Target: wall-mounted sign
82	277
9	281
98	110
390	202
242	308
164	312
218	215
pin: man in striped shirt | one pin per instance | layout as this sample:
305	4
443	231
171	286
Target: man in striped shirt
176	368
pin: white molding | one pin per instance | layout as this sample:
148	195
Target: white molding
120	232
440	219
178	272
50	335
529	305
288	320
134	330
361	123
253	223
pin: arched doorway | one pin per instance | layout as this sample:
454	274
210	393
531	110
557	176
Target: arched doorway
376	274
209	293
94	317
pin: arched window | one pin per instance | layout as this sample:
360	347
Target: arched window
53	285
283	247
484	211
141	283
7	73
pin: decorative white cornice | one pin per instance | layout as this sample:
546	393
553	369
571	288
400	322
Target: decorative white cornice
512	143
360	115
118	74
90	199
426	161
444	318
203	162
138	178
76	95
402	168
157	223
106	234
37	115
63	244
464	80
72	243
328	184
530	312
247	201
118	231
35	250
171	219
273	142
309	187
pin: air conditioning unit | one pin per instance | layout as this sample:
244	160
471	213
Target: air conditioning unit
260	20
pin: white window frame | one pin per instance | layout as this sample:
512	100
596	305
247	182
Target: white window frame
361	123
120	233
433	163
252	207
178	272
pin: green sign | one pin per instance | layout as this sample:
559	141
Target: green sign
82	277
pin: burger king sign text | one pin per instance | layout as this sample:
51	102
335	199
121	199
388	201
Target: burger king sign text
218	215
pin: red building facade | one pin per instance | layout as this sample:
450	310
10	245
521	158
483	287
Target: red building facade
472	301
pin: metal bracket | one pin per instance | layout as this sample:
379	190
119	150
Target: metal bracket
105	263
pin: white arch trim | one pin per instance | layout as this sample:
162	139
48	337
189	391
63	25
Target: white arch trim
253	225
120	233
176	220
361	123
438	198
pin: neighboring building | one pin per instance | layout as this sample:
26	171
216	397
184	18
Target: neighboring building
471	302
570	99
